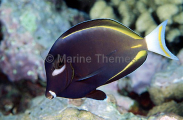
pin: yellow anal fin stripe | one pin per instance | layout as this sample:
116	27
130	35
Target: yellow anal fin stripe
124	31
139	55
160	42
137	46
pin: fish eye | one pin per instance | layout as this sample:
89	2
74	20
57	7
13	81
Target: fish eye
58	62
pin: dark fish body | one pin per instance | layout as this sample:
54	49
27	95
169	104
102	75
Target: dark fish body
114	51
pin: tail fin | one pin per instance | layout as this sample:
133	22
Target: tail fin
156	41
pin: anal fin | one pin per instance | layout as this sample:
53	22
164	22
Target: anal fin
97	95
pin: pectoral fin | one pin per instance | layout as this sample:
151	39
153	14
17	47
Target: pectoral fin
97	94
110	54
95	72
91	74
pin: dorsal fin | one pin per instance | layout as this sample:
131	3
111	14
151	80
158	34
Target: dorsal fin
106	23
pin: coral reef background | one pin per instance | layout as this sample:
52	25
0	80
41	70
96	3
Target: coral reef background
30	27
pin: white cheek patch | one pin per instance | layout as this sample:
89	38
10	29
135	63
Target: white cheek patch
58	71
53	94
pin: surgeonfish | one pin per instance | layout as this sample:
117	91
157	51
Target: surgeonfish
113	51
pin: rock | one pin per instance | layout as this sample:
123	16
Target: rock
28	29
76	102
167	84
115	2
141	7
93	13
181	28
101	10
28	21
169	107
130	116
180	56
112	89
108	13
58	108
130	2
85	115
20	62
161	2
172	34
126	14
167	11
144	22
165	116
125	83
150	29
70	112
178	18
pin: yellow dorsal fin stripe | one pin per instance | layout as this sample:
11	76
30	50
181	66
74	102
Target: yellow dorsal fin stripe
139	55
129	33
160	42
105	23
125	31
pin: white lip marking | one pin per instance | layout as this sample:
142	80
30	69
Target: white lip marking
53	94
58	71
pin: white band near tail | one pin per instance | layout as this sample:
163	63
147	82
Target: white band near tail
156	41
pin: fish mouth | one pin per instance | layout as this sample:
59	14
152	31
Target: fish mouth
51	95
